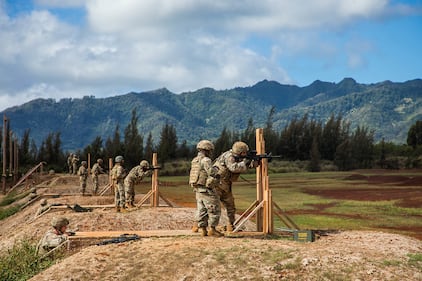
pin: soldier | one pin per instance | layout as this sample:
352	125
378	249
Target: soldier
118	174
135	175
83	176
75	160
54	237
69	163
207	201
230	165
95	171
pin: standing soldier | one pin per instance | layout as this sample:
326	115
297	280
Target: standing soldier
69	163
95	171
135	175
75	160
230	165
83	176
207	201
118	174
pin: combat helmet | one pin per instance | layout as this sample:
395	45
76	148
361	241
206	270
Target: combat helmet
100	161
240	147
205	145
144	164
43	202
118	159
59	222
84	163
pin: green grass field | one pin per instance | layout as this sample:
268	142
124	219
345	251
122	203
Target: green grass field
358	200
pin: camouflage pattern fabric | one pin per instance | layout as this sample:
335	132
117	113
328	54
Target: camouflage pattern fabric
51	240
230	167
75	160
83	175
135	175
118	174
208	210
95	171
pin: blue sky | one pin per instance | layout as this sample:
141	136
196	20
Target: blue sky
73	48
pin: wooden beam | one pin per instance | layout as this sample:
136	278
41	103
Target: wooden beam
141	233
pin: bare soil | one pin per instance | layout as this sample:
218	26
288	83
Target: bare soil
341	255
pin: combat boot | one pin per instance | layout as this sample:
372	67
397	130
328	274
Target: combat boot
123	210
203	231
118	209
195	228
128	206
229	228
214	232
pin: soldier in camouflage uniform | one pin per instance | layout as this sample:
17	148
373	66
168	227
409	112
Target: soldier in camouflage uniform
54	237
207	202
230	165
95	171
135	175
75	160
118	174
69	163
83	176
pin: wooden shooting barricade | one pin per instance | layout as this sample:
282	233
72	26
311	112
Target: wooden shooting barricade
263	207
154	194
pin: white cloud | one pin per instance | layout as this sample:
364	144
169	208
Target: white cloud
131	45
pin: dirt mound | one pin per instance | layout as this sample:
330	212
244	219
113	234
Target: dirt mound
349	255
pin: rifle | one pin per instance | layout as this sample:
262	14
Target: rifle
153	168
252	155
122	238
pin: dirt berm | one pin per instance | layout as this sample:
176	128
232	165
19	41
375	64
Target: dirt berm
343	255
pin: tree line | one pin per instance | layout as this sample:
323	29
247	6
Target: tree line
302	139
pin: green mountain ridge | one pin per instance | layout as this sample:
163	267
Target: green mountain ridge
387	107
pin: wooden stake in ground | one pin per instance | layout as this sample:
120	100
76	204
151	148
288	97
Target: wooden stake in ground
154	194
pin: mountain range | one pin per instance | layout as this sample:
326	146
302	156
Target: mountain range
387	107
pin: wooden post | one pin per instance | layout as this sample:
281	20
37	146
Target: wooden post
89	163
16	158
10	153
262	207
154	182
3	177
110	181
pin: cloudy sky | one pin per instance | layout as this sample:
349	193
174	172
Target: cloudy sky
74	48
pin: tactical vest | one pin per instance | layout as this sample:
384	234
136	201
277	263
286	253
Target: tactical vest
197	176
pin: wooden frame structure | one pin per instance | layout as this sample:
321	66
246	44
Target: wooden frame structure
263	207
154	194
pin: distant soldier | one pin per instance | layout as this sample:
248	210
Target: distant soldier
207	202
75	161
83	176
69	163
95	171
118	174
55	237
135	175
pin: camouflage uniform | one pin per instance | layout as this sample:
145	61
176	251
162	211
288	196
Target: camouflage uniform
95	171
230	166
207	200
75	160
54	237
69	163
135	175
118	174
83	176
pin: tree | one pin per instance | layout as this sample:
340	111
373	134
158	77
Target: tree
248	135
95	149
133	143
168	143
114	146
414	135
149	147
223	143
315	163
